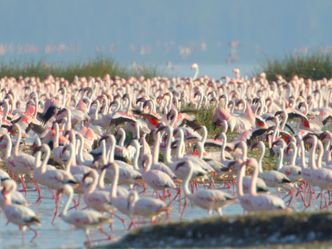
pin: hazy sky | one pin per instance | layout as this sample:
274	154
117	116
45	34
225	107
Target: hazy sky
155	31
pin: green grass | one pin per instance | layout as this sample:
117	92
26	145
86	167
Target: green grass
97	67
315	65
204	116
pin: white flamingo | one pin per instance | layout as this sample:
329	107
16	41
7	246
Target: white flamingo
19	215
253	202
83	219
272	178
210	199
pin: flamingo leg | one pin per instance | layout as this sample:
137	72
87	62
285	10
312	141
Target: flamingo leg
22	233
184	207
35	233
76	203
88	241
122	220
38	191
291	196
57	203
108	236
24	186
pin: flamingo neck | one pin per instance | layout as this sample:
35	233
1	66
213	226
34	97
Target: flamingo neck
18	141
240	176
127	109
200	149
47	156
175	118
312	162
80	150
320	154
147	166
281	157
71	158
9	146
56	136
284	121
185	184
95	116
156	145
115	181
303	163
68	123
73	142
92	187
137	131
101	179
328	151
254	181
293	160
223	147
306	108
122	137
137	154
38	160
276	128
69	201
111	149
260	161
204	137
196	73
167	158
180	148
6	110
64	99
103	152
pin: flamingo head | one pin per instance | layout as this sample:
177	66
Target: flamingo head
255	145
180	165
251	162
63	151
106	166
325	135
86	176
233	166
35	148
194	66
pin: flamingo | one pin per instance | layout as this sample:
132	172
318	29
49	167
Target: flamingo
19	215
83	219
15	196
18	163
94	198
272	178
53	178
253	202
146	207
156	179
210	199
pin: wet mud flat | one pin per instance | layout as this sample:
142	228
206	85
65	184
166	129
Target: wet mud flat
281	229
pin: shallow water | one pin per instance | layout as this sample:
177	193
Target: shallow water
61	235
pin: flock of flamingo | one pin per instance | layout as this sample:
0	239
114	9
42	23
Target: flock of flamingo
96	142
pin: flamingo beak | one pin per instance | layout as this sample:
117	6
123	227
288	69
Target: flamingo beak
179	165
85	176
106	166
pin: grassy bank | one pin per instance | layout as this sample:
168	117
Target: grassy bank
314	65
219	232
97	67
